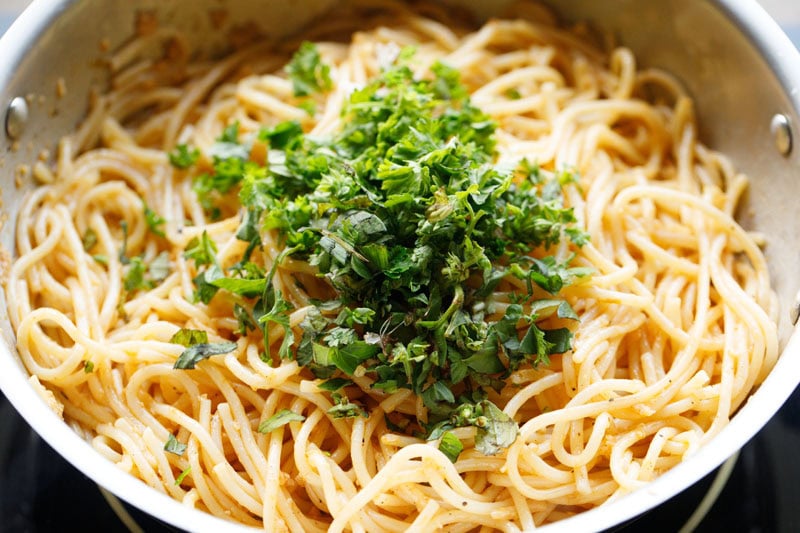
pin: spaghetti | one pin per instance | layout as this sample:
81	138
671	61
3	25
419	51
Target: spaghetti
676	323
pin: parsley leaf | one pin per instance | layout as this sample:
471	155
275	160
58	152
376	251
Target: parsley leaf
189	337
197	352
89	239
307	71
184	157
182	476
174	446
451	446
202	249
154	221
281	418
135	276
344	408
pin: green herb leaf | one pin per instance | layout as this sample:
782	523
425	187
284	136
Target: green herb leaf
135	276
184	157
197	352
281	418
282	135
307	71
334	384
173	446
343	408
89	239
88	367
245	287
451	446
154	221
496	430
182	476
189	337
202	249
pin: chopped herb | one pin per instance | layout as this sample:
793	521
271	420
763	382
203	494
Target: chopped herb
135	276
184	157
154	221
344	408
123	251
202	249
282	135
174	446
89	239
281	418
204	284
182	476
197	352
141	276
409	218
334	384
189	337
495	429
244	318
307	71
451	446
88	367
100	258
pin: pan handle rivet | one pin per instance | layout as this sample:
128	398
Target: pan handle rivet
781	133
16	117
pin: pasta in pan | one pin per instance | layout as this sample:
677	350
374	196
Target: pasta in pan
404	275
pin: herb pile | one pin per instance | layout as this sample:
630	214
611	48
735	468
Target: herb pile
406	215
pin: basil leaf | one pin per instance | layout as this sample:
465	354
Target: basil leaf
154	221
334	384
197	352
89	239
307	71
183	157
281	418
451	446
245	287
182	476
202	249
173	446
496	430
189	337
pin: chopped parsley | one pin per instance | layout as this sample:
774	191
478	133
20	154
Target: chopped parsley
182	475
174	446
307	71
451	446
279	419
89	239
184	157
198	348
407	215
154	221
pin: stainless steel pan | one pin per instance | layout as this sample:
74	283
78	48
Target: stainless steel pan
741	69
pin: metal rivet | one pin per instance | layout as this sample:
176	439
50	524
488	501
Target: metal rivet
781	133
16	117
